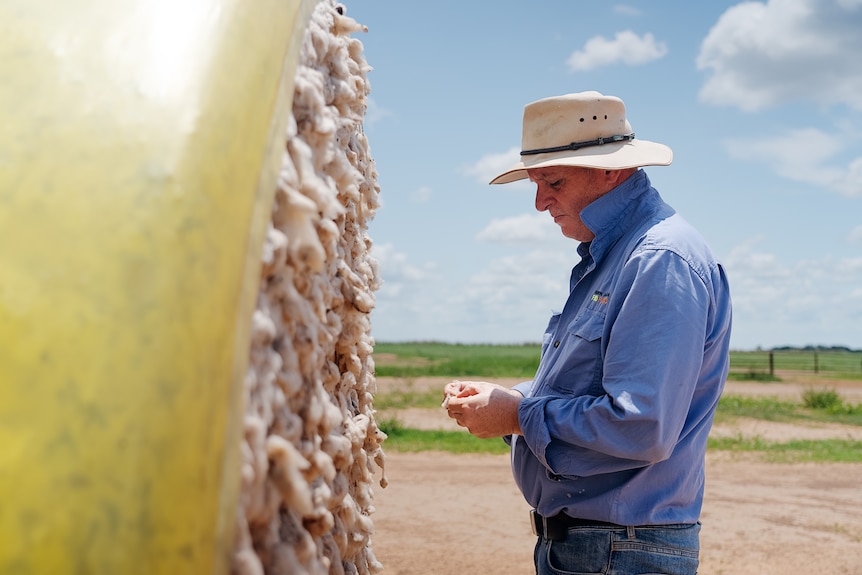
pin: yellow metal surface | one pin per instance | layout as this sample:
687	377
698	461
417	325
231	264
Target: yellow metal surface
139	146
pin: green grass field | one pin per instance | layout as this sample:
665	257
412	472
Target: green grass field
455	360
418	359
415	359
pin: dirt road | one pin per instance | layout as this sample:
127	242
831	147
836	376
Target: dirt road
447	514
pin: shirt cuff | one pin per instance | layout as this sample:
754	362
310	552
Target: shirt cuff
531	417
523	388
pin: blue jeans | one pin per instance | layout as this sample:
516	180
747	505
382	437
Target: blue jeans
654	549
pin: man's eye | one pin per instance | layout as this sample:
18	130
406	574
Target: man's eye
556	184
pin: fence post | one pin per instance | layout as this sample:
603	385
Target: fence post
815	363
771	364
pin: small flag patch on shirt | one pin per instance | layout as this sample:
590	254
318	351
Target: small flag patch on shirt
600	297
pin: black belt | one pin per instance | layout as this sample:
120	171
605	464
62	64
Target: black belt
555	527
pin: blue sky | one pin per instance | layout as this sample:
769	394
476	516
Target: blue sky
760	101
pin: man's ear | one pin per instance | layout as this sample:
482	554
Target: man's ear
617	177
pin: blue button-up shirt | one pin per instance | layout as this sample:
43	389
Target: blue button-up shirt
615	423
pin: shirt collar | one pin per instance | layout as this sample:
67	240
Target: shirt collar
611	215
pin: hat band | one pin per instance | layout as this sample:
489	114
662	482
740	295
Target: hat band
579	145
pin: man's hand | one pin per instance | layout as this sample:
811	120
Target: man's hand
485	409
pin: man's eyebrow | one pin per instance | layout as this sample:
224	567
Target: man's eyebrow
549	176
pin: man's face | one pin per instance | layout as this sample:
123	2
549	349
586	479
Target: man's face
566	190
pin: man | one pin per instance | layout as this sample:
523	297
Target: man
609	439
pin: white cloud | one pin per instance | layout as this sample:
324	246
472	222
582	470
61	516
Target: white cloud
626	47
491	165
374	113
526	228
510	299
422	195
506	300
807	301
762	54
855	235
803	155
397	272
627	10
536	274
850	183
411	303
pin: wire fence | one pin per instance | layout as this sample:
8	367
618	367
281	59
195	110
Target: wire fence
829	362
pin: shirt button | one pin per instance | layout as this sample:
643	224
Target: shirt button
557	344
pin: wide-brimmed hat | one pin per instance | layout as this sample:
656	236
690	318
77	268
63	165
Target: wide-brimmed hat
586	129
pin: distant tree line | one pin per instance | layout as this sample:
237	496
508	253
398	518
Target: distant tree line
811	348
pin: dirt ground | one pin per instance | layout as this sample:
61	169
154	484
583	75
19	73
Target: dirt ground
445	514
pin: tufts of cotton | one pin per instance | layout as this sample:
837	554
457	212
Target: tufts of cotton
311	445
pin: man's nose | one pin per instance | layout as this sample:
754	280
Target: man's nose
543	198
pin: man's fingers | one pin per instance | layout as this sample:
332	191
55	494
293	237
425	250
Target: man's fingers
453	387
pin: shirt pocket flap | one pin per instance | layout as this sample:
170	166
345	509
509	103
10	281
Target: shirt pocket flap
588	325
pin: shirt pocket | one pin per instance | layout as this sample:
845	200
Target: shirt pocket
580	361
588	325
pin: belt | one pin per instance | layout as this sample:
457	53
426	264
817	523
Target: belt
555	527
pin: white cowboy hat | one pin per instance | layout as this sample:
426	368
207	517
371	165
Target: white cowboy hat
587	129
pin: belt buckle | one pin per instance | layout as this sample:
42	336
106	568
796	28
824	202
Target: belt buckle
538	523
